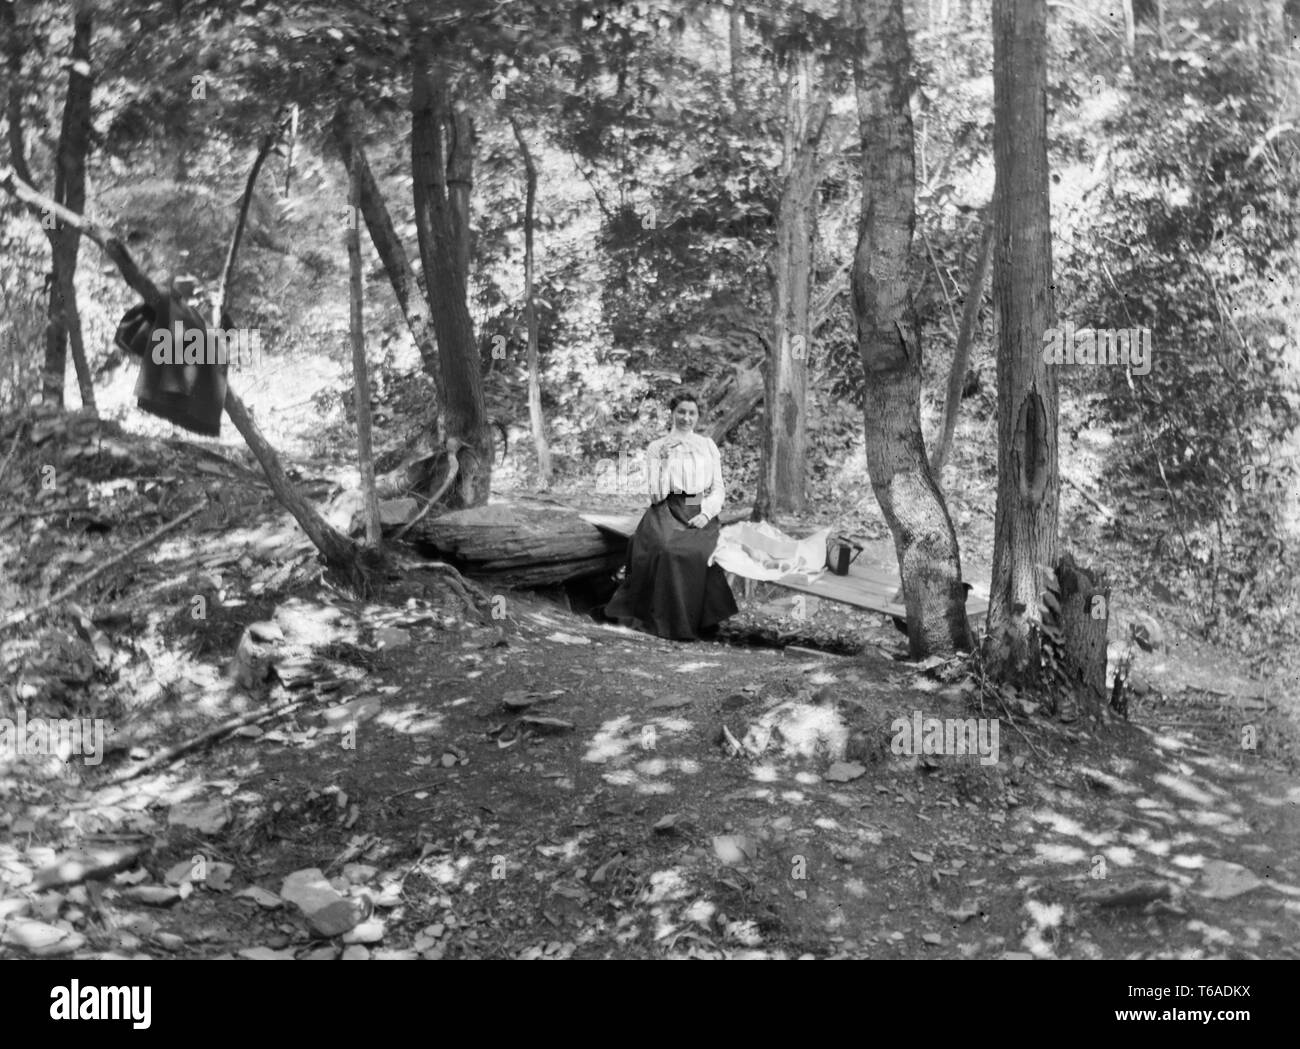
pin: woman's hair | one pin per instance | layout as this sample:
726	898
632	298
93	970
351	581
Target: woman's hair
681	397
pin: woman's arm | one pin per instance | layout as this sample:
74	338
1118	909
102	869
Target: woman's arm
652	472
711	504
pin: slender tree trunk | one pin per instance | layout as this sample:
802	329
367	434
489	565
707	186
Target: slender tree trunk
70	190
409	285
965	336
360	370
535	417
736	55
71	320
293	143
1025	526
466	411
889	339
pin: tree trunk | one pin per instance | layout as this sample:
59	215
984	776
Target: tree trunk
460	184
406	281
293	143
466	412
965	336
1130	29
535	419
1082	626
360	370
745	395
889	339
736	56
70	191
782	475
1025	526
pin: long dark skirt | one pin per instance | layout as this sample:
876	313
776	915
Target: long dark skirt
670	588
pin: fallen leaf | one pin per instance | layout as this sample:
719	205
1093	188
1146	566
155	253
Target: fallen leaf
844	772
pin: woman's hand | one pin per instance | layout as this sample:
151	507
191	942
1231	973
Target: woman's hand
698	521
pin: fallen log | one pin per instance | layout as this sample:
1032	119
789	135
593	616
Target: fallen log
512	545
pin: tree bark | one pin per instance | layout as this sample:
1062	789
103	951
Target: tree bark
1082	624
521	545
1026	520
745	395
466	411
535	418
782	476
965	336
888	338
460	184
736	56
360	370
293	143
70	190
409	286
63	318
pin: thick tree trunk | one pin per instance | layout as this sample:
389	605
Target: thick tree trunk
466	412
535	418
70	190
965	336
460	184
408	285
360	370
1081	629
889	339
782	476
1025	526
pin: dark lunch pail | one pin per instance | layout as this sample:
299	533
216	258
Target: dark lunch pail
840	553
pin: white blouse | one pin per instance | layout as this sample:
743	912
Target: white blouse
687	463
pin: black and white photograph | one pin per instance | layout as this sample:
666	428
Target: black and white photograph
646	480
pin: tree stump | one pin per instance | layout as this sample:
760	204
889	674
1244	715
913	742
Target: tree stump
1085	614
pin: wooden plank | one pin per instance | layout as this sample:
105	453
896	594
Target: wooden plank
868	586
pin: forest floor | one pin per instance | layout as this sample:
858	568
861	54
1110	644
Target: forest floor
546	786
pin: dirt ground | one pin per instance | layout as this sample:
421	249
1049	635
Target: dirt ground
424	783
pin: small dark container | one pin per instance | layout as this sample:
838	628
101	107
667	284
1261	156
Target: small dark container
841	552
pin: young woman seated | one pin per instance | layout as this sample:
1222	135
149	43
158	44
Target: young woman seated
670	589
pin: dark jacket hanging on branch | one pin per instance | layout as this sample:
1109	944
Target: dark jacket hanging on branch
189	395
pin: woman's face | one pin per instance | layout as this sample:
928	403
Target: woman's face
685	416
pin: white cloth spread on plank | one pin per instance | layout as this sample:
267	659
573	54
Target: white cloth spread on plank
760	551
688	463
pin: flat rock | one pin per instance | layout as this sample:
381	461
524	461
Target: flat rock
371	931
207	816
152	895
42	940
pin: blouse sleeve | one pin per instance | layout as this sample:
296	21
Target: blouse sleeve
712	502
